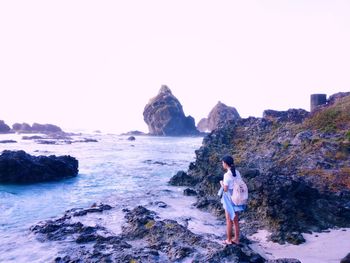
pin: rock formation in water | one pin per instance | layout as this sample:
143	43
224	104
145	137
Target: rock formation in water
36	128
217	117
296	166
164	116
18	167
4	128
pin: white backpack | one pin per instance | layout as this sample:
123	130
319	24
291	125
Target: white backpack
240	192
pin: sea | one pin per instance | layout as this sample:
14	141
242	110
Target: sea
113	170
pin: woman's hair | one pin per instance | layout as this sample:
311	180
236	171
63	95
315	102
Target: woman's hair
229	161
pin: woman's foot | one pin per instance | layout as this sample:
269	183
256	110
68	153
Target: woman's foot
235	241
227	242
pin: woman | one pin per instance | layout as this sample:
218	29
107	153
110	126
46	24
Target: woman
231	210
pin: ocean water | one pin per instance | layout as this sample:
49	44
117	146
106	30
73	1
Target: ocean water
113	170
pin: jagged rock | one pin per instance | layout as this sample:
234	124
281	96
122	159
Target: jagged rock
20	167
36	128
144	238
182	178
335	97
4	128
218	116
164	116
291	167
346	259
291	115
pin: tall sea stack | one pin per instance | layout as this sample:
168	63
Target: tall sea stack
164	116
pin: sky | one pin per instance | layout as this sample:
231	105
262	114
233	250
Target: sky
94	65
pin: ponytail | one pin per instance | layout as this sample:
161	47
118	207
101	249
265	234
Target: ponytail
233	170
229	161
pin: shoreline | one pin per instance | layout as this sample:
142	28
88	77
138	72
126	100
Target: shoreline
325	247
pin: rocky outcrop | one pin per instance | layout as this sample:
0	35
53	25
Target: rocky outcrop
36	128
164	116
296	166
218	117
144	238
4	128
18	167
8	141
291	115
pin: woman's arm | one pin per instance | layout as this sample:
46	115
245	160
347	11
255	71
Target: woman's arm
224	186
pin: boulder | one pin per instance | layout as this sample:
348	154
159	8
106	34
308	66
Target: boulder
18	167
4	128
164	116
218	116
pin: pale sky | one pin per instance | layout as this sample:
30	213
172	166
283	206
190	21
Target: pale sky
95	64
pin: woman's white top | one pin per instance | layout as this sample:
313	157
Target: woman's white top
229	179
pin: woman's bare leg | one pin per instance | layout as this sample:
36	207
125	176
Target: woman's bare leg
235	222
228	228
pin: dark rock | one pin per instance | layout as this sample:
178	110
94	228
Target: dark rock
35	137
134	133
8	141
131	138
290	169
36	128
346	259
4	128
190	192
283	260
164	116
144	239
22	128
183	179
291	115
161	204
86	140
20	167
337	96
218	117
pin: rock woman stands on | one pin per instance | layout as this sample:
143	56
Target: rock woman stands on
231	210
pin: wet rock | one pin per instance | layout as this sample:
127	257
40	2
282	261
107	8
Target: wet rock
8	141
190	192
182	178
131	138
35	137
164	116
20	167
144	239
161	204
86	140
